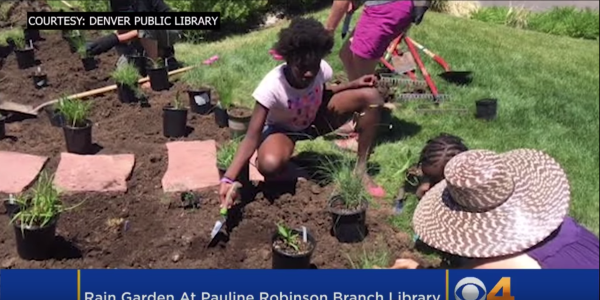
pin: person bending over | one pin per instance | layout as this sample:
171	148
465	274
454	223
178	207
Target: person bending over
293	103
153	43
379	24
434	157
503	211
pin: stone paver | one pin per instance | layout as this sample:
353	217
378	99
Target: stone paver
18	170
94	173
192	166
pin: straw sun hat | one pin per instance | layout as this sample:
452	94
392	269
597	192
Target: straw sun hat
492	205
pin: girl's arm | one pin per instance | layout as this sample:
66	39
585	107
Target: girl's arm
250	142
127	36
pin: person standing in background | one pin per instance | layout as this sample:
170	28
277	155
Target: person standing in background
153	43
380	23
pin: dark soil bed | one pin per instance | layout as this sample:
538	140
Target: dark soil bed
144	228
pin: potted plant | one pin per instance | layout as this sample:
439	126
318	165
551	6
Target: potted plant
40	79
126	77
77	127
88	61
2	126
159	76
24	52
292	249
175	119
348	205
220	111
34	219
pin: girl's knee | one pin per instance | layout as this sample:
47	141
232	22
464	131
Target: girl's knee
269	164
372	97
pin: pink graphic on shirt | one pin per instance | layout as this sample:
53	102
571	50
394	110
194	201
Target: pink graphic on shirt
291	108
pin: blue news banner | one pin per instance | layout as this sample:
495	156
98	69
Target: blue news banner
298	285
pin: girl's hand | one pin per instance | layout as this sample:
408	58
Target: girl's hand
365	81
402	263
223	190
422	189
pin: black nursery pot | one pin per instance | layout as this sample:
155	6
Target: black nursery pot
200	101
56	117
40	80
36	243
2	128
79	139
140	63
221	117
126	93
31	35
11	208
159	79
174	122
486	109
25	58
348	226
89	63
281	260
5	51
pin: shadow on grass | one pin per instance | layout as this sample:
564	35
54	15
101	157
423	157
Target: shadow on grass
314	164
392	129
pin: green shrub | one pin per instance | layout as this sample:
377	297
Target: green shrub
235	15
493	15
95	5
567	21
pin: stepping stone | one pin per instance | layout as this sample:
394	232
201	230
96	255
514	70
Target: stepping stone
192	166
18	171
93	173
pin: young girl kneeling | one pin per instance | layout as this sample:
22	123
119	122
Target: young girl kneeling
293	103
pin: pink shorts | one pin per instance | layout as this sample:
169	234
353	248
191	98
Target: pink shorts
378	26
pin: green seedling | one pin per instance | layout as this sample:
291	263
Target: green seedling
226	153
40	206
157	63
288	236
128	75
177	103
20	43
75	112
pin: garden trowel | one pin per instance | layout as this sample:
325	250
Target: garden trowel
223	212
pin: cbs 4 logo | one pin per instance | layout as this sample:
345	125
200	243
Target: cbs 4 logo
471	288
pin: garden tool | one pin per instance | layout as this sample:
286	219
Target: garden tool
455	77
348	19
223	212
34	111
435	96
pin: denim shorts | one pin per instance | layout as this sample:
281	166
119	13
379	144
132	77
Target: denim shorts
295	136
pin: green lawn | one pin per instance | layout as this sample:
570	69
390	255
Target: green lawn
547	88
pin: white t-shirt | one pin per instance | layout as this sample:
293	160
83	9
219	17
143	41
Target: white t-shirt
290	108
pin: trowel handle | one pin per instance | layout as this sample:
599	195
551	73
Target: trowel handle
234	187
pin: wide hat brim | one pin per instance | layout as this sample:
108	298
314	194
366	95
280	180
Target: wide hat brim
536	208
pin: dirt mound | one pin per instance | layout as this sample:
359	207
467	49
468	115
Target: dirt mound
145	228
14	13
